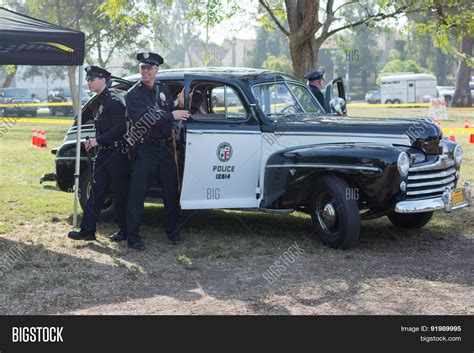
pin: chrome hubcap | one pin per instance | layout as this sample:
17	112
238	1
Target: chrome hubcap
327	214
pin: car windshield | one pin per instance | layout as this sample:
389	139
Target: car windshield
280	100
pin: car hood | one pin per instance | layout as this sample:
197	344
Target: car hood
422	132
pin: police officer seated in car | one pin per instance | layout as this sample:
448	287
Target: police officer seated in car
111	168
151	109
315	84
196	101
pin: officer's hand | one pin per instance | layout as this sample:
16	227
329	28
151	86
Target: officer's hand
181	114
181	99
91	143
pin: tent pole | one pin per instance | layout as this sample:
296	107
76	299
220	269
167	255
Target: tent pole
78	148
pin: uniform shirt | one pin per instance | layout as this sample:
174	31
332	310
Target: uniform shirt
157	103
109	118
317	94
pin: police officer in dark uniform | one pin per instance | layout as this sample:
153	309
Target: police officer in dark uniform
112	166
151	108
315	84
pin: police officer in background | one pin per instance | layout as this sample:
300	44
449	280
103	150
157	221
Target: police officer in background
315	84
111	167
150	105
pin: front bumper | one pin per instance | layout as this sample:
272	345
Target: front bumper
440	203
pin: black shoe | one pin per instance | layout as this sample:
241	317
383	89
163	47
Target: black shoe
117	237
137	246
176	241
82	235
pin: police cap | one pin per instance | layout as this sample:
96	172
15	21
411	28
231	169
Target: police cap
315	75
150	59
96	71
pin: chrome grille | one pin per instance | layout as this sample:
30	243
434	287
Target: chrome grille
429	181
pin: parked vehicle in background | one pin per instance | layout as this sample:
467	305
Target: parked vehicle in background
373	97
16	97
447	92
63	95
408	88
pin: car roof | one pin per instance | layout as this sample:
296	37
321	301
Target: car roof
240	73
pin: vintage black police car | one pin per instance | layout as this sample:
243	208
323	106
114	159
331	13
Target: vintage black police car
261	141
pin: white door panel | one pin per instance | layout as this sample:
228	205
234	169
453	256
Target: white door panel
221	169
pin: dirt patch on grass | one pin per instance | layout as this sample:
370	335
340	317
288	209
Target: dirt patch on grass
223	269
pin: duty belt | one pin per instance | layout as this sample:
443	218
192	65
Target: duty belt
116	144
158	142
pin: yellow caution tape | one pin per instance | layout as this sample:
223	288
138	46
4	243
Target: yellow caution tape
13	120
45	104
401	105
457	130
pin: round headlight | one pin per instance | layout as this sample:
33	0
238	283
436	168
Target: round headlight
457	154
403	164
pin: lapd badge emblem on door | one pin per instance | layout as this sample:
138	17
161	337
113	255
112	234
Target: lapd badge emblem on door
101	108
162	96
224	151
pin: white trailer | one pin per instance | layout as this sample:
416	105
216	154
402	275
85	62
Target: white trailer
408	88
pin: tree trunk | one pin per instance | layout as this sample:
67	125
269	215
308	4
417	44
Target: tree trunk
71	73
304	55
462	95
9	79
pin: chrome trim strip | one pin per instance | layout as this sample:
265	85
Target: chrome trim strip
430	191
228	132
69	158
432	175
320	165
440	203
429	183
442	163
339	134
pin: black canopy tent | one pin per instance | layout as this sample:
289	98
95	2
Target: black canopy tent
28	41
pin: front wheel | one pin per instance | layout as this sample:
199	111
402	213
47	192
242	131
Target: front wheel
411	220
335	215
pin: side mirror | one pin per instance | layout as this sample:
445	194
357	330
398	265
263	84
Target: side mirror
338	106
335	90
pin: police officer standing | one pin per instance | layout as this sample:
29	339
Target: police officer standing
150	106
315	83
112	166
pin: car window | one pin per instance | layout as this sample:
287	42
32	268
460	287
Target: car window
222	102
278	100
304	99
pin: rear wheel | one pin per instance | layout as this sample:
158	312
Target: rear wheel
412	220
388	101
335	217
108	210
396	101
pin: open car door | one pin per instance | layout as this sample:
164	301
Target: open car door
222	147
335	97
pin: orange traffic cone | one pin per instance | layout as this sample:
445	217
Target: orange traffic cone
42	143
466	124
33	138
452	138
471	139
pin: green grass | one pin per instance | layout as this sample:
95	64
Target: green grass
56	274
24	200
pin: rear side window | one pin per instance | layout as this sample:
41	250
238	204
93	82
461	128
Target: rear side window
213	101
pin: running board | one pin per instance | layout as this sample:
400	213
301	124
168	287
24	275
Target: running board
279	211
